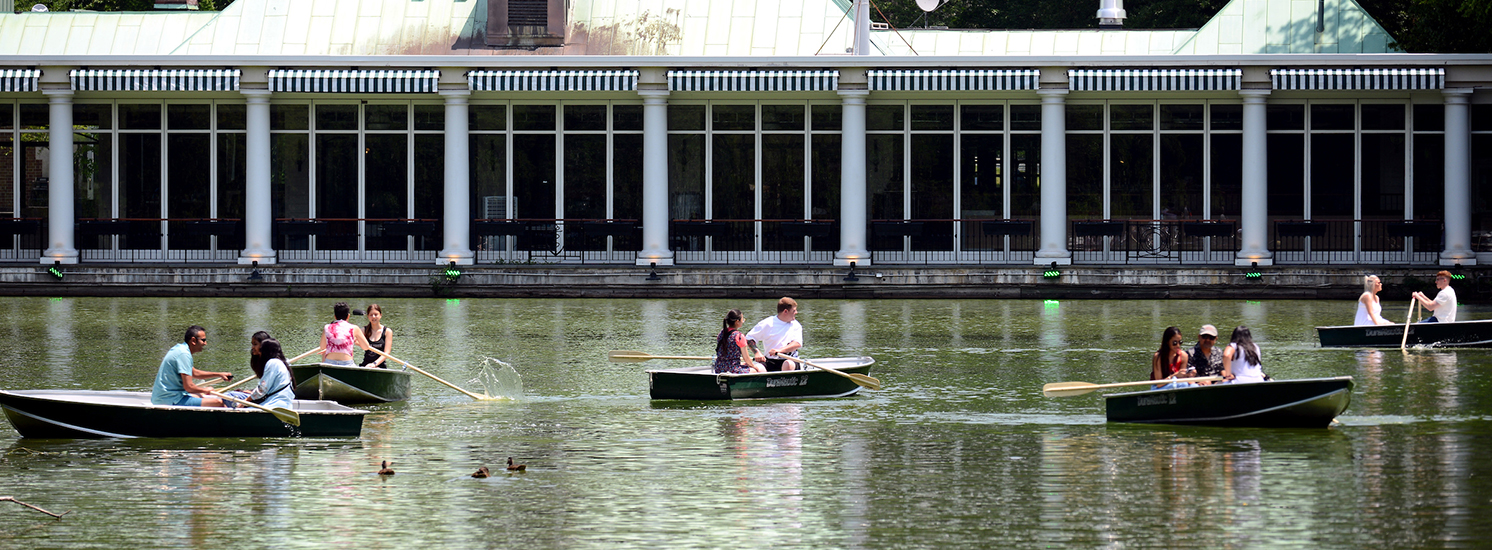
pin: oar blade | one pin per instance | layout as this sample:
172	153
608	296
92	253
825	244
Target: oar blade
866	381
1067	389
624	356
286	415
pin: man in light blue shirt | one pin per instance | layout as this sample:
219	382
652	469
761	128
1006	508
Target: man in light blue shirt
173	382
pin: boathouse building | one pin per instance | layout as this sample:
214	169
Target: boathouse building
639	132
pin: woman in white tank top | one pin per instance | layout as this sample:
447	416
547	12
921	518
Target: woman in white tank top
1369	309
1241	361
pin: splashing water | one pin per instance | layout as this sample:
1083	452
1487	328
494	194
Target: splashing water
498	379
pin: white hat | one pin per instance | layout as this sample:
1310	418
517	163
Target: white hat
1208	330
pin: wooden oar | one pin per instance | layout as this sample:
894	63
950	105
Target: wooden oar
861	379
1404	344
302	356
285	415
621	356
434	377
235	384
1069	389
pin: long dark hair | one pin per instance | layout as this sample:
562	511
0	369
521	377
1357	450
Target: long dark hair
730	319
256	360
1165	344
1243	342
268	349
372	308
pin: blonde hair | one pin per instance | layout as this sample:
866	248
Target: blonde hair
1367	283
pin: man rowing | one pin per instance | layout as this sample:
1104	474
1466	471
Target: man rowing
174	381
780	336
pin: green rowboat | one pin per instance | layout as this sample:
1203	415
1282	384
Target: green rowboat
349	385
701	383
1461	334
1304	403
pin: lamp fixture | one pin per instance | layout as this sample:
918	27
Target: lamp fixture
1253	272
1052	272
56	269
452	274
851	276
653	272
254	275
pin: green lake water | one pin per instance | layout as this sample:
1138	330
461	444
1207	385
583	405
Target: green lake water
960	450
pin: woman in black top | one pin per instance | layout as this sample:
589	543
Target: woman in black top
379	336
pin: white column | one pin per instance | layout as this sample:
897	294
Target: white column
862	28
60	180
852	200
1457	179
654	179
258	213
1254	211
457	228
1053	178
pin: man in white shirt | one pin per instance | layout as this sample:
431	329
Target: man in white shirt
1444	304
780	337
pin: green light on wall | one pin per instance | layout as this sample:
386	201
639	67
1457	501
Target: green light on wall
1052	272
1253	272
452	274
55	270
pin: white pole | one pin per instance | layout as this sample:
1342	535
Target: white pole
852	200
457	226
862	27
60	180
1053	178
258	212
1457	179
654	179
1254	211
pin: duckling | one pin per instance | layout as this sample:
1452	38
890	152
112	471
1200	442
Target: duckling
515	467
386	471
481	473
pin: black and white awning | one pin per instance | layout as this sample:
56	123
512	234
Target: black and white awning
552	81
1358	79
354	81
954	79
19	80
1154	80
753	81
155	80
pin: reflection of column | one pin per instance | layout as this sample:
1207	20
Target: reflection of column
256	317
258	212
457	182
655	322
457	345
852	326
1457	179
61	345
60	180
852	190
654	179
1053	174
1254	212
1053	334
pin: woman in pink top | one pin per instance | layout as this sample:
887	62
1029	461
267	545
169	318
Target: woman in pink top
338	338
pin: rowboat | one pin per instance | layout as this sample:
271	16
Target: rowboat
1304	403
83	414
349	385
1465	334
701	383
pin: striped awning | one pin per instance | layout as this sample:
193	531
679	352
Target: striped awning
1154	80
1358	79
954	80
552	81
19	80
354	81
753	81
155	80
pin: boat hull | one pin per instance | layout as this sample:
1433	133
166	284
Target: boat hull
73	414
349	385
1466	334
702	384
1306	403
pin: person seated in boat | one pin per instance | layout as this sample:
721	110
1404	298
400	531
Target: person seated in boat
174	381
338	338
1241	361
379	336
1369	309
1443	306
731	354
275	387
775	340
1205	358
1170	361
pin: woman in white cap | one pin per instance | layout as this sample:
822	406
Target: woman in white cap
1206	358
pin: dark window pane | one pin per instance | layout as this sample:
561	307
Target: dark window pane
93	170
827	152
733	160
1131	177
139	116
7	170
1227	176
782	117
585	117
489	181
336	176
982	186
189	117
1481	184
733	117
1085	177
885	117
1286	176
585	174
1382	117
1429	184
932	117
1181	117
1331	176
232	116
290	182
626	179
884	177
289	117
533	176
336	117
38	115
1085	117
686	176
1181	175
1025	117
1131	117
487	117
1227	117
140	183
686	117
983	117
385	117
1481	117
626	117
932	189
189	161
1429	118
430	117
1285	117
1025	175
827	117
385	176
1382	176
1331	117
232	168
782	186
534	117
429	184
7	116
92	116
